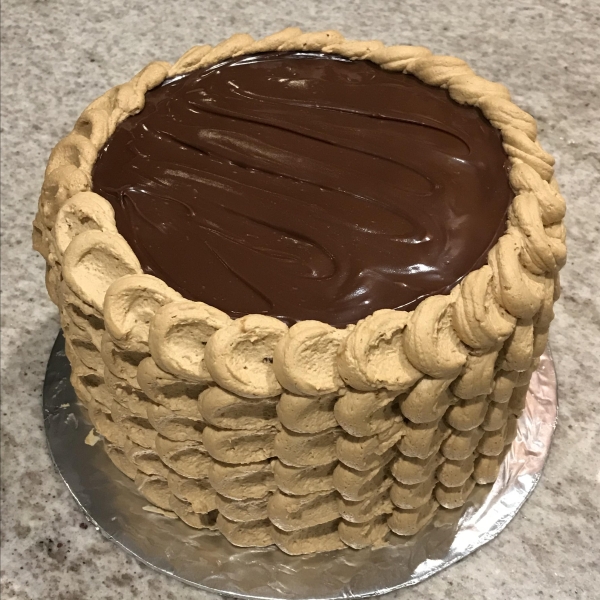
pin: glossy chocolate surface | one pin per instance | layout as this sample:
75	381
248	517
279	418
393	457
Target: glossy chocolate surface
306	186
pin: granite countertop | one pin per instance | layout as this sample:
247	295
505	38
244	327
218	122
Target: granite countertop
58	56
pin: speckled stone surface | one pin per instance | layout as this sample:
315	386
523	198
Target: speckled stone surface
57	56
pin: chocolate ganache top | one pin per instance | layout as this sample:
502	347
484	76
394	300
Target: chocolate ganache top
306	186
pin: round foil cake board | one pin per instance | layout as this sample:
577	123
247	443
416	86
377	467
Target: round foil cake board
206	560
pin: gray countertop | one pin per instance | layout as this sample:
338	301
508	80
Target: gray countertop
57	56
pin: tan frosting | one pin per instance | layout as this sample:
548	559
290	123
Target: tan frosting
90	386
545	250
453	497
188	458
423	439
454	473
292	513
81	391
93	261
503	386
304	361
545	315
76	364
241	446
362	511
428	401
168	391
467	89
189	61
412	496
502	114
250	509
367	413
552	205
358	485
135	401
86	353
239	356
468	414
516	404
145	459
51	278
517	145
87	328
246	533
367	453
477	376
83	345
120	460
461	444
121	364
459	365
173	426
154	488
137	428
295	39
496	416
75	308
410	470
60	184
518	351
306	450
105	426
84	211
304	480
79	318
319	538
129	304
373	356
540	340
307	414
409	522
430	342
155	510
492	442
517	289
487	467
178	335
223	409
524	377
185	512
364	535
478	319
198	493
240	482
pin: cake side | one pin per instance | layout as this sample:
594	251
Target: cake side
310	437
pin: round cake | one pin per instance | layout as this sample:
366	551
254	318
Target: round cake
304	282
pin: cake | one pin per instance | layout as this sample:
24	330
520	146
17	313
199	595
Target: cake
304	283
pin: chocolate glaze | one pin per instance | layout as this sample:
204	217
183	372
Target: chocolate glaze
306	186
